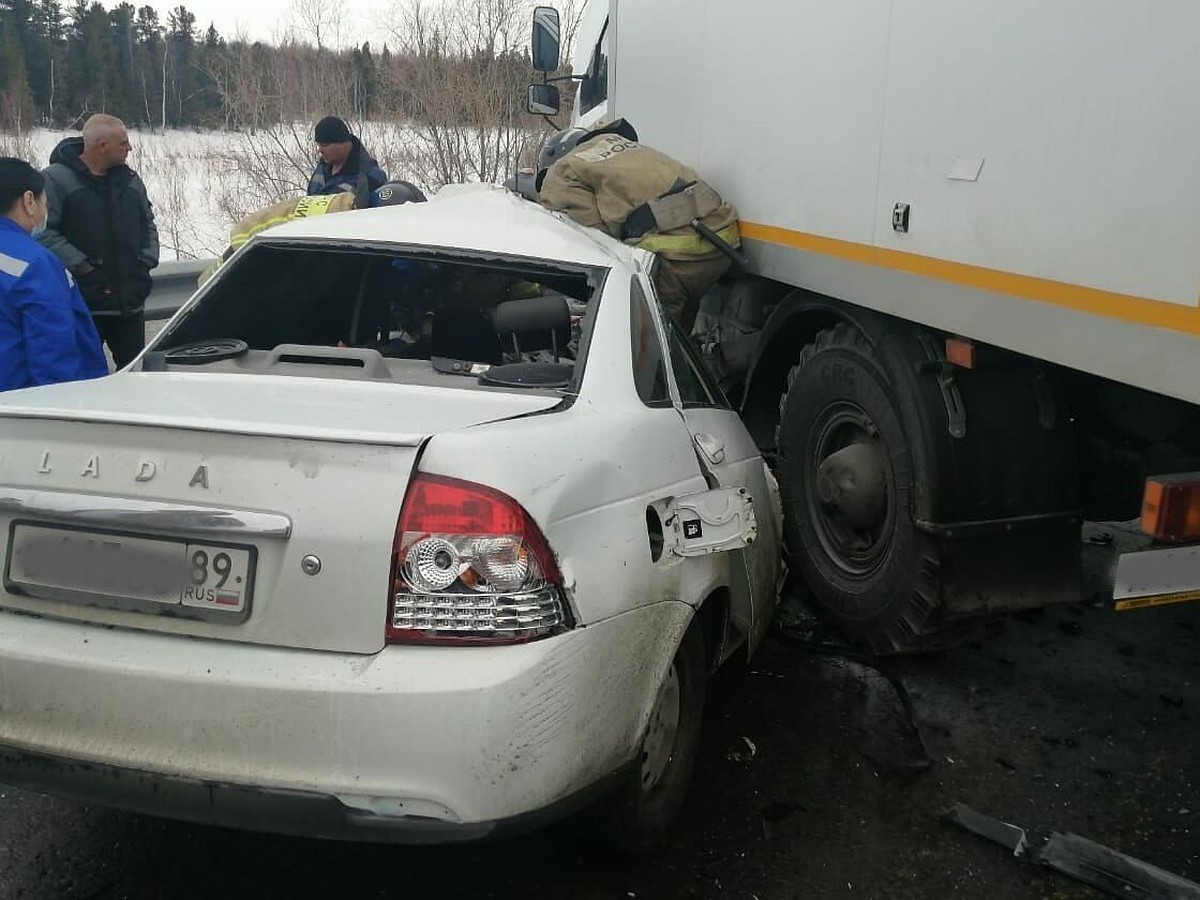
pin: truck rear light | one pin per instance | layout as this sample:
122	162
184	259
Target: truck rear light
1171	508
470	566
960	352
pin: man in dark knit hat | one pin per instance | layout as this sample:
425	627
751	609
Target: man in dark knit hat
345	164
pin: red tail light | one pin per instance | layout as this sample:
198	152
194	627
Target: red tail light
470	566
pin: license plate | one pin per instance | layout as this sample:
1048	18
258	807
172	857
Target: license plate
146	574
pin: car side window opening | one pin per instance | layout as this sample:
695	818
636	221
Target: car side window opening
649	367
594	89
696	385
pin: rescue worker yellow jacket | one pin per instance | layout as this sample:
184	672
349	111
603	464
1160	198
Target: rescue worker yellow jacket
277	214
607	178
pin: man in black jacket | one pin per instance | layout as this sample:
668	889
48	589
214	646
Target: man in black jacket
101	226
344	164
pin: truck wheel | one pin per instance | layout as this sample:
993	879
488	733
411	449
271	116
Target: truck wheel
640	814
845	469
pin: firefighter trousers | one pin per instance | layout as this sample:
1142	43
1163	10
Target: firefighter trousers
681	283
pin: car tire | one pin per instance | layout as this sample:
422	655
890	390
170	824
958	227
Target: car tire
639	815
848	512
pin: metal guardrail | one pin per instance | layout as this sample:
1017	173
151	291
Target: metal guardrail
174	283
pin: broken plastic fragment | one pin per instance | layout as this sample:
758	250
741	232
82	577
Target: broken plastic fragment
1111	871
1002	833
744	755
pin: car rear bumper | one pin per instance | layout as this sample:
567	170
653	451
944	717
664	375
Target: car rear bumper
276	810
417	743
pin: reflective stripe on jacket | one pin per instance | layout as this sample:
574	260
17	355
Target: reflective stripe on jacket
687	245
277	214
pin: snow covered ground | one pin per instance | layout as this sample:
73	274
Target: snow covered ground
183	173
201	182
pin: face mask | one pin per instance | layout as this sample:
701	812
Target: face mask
38	228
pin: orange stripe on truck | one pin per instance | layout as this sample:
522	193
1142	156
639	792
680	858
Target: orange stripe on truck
1125	307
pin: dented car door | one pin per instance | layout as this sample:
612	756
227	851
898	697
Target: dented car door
740	512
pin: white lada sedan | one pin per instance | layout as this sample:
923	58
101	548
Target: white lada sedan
415	524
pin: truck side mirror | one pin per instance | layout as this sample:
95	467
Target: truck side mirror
545	45
543	99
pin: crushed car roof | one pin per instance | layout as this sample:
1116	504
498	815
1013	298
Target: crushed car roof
474	217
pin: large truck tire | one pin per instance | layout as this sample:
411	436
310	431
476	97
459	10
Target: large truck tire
846	472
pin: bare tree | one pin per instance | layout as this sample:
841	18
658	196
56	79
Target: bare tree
15	139
265	167
447	105
166	53
53	84
570	15
460	88
322	21
176	168
19	144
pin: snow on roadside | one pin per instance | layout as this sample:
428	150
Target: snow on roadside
183	172
201	182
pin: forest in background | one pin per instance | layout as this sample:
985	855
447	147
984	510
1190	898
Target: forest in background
450	83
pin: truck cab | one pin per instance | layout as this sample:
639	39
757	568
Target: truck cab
592	65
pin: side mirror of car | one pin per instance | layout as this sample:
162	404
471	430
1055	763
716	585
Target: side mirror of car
545	46
543	99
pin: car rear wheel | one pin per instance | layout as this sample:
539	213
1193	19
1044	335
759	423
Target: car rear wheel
641	812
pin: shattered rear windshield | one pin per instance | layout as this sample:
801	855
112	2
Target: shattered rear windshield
410	315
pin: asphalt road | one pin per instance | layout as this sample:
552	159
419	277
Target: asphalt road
812	783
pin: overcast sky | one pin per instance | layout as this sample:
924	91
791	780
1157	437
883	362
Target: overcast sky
267	20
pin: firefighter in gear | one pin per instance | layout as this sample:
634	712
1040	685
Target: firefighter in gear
391	194
605	179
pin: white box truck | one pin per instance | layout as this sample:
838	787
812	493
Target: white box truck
973	232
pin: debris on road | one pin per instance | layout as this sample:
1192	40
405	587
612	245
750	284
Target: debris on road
1002	833
868	672
780	810
1113	872
777	812
1102	867
744	755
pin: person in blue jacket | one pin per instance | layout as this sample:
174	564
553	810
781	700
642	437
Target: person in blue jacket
46	330
344	164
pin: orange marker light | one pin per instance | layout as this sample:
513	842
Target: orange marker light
961	353
1171	508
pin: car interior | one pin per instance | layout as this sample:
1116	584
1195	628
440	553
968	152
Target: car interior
409	315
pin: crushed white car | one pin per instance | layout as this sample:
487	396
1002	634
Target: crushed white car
414	524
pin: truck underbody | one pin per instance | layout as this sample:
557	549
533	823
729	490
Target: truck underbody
925	491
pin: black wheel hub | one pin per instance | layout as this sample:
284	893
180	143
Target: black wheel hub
852	485
849	489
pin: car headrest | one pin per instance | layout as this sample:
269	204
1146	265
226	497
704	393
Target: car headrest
534	323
